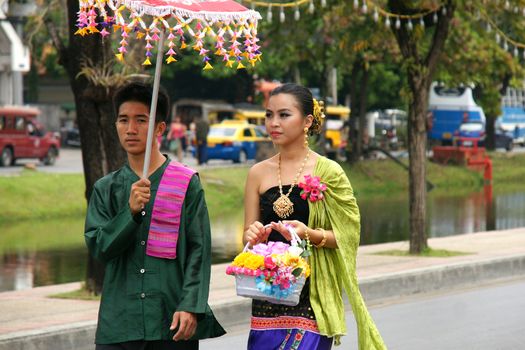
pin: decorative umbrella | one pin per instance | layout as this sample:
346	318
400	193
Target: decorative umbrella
221	28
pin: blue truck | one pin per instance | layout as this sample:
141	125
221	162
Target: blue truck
450	107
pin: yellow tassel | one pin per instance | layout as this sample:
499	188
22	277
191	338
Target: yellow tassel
240	66
170	59
81	32
116	27
147	62
208	66
245	54
119	57
252	62
140	35
183	45
229	63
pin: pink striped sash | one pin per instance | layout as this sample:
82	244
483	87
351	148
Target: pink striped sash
167	209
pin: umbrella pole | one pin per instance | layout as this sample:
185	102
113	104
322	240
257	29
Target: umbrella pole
153	107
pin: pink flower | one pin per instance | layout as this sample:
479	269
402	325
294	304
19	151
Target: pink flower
261	249
312	188
278	247
270	248
269	263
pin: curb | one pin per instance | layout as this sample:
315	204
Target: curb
80	336
433	279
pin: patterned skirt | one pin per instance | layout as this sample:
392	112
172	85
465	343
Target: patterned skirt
281	327
285	338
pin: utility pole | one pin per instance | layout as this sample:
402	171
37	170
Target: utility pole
333	85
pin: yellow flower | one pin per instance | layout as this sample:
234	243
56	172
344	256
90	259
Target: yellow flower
248	260
254	262
239	259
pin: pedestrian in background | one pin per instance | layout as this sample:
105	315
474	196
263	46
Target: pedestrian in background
153	236
201	137
299	188
176	136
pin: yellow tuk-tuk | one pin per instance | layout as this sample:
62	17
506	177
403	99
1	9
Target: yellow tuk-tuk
252	116
335	118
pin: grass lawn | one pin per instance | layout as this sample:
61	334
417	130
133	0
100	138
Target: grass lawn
427	252
34	195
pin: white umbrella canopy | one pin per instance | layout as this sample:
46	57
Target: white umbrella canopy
215	28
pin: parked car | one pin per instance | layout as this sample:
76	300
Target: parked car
22	136
70	135
504	140
234	140
472	132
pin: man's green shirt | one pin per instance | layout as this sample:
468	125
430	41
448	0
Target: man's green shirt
140	292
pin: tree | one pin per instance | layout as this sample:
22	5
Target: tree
93	81
361	49
421	50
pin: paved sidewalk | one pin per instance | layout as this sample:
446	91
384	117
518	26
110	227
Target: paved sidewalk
31	320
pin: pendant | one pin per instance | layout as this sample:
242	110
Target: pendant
283	207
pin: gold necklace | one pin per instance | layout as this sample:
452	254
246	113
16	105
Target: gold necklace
283	206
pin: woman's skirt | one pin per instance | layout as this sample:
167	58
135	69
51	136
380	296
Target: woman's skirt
287	339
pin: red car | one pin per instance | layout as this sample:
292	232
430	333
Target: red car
21	136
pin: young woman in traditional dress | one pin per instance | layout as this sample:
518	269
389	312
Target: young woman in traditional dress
300	188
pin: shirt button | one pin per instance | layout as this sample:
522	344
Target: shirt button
142	270
143	295
142	242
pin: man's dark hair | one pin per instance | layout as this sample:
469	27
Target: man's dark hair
142	92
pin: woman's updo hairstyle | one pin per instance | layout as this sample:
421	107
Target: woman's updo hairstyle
307	104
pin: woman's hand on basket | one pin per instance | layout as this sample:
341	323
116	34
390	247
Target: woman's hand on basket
282	228
256	233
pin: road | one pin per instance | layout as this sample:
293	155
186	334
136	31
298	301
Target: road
70	161
491	317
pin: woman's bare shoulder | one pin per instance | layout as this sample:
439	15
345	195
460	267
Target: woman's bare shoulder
262	167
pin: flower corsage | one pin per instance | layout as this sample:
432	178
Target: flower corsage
312	188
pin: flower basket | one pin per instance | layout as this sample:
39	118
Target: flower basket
275	272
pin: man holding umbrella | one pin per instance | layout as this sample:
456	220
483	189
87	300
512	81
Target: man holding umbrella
153	235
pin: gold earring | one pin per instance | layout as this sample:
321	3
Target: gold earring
305	137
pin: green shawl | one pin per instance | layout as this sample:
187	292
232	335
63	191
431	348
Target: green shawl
335	269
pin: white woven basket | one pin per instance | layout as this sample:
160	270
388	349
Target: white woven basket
246	287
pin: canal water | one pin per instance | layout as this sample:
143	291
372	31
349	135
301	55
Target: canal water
44	253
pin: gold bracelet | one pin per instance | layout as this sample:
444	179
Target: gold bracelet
307	238
323	241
